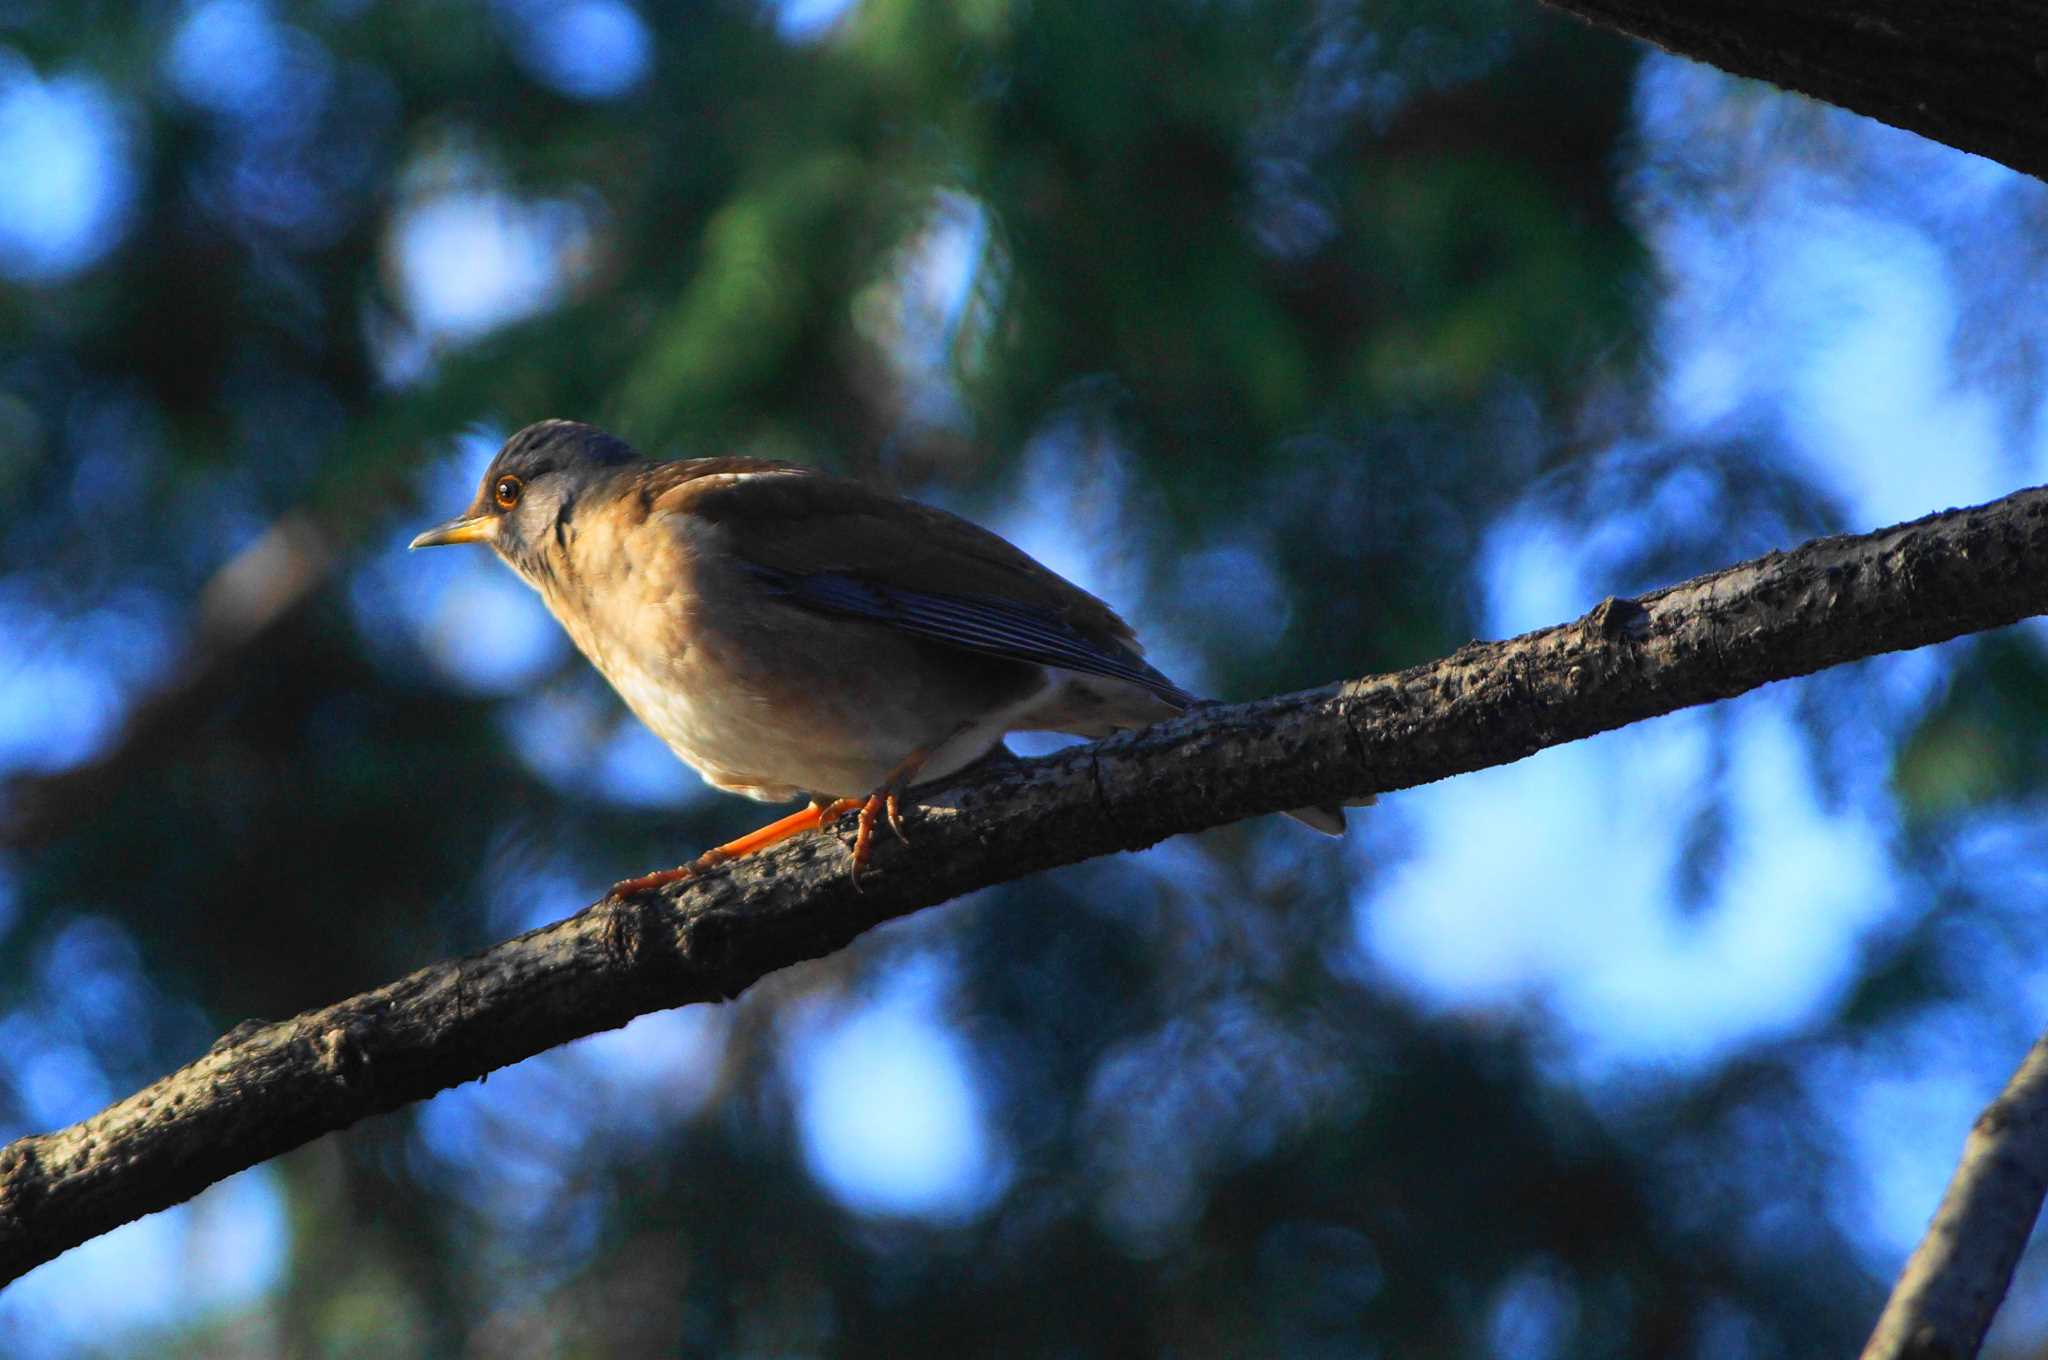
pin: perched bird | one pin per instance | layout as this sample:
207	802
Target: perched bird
793	634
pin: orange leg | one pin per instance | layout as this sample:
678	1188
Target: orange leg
882	803
772	834
885	801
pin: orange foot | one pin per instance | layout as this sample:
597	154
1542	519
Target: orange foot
882	803
771	834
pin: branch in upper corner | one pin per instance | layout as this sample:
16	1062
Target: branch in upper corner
1958	1275
1973	76
267	1088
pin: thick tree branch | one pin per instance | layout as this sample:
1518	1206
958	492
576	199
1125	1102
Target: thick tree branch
1958	1275
1973	73
265	1088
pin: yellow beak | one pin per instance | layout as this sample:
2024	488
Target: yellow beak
468	529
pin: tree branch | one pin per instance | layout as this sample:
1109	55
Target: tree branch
1972	75
1958	1275
265	1088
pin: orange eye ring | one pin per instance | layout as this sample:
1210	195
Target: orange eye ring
505	491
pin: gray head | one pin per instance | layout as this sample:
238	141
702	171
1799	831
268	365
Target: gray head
530	490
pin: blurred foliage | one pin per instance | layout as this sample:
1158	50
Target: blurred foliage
1332	287
1987	738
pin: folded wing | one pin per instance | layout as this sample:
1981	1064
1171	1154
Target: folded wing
995	627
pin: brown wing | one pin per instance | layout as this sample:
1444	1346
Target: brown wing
832	544
803	521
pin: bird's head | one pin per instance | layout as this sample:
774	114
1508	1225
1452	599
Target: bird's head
531	486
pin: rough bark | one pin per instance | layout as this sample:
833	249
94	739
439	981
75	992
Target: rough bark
1957	1276
265	1088
1971	73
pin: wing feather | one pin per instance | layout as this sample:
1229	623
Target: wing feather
837	546
978	624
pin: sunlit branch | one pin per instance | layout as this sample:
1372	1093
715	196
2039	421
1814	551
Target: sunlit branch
1958	1275
265	1088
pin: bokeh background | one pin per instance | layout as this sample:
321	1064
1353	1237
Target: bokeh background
1319	338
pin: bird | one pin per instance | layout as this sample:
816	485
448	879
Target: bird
793	634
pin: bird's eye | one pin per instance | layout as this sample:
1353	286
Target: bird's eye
506	492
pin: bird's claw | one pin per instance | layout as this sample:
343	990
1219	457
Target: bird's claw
881	805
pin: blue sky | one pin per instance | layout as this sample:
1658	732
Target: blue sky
1822	308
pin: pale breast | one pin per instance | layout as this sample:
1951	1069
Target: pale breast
640	630
759	698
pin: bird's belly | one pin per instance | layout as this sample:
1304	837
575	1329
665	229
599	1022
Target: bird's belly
827	742
730	736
